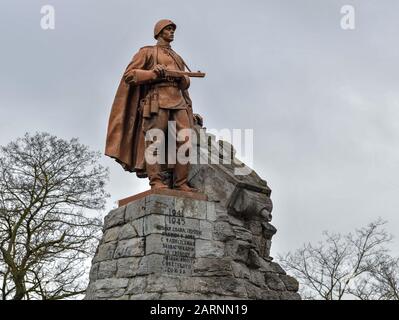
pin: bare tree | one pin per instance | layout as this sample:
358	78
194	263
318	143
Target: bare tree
46	233
382	282
346	266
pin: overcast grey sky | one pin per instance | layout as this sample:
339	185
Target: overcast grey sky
323	102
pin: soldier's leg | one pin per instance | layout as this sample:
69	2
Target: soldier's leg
183	146
154	130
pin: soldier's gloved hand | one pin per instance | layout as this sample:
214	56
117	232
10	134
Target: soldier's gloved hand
159	69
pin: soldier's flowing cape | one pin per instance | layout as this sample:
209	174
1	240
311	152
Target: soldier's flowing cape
125	138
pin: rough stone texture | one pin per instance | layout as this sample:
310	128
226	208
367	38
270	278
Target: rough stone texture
114	218
172	247
206	248
163	253
106	289
128	231
129	248
290	283
111	234
213	267
127	267
105	251
106	269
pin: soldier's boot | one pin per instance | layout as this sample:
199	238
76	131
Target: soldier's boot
181	175
154	174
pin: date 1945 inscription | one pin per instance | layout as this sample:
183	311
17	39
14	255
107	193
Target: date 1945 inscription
178	243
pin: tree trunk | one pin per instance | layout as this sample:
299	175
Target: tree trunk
19	287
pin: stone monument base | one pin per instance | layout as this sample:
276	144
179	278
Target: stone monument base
176	245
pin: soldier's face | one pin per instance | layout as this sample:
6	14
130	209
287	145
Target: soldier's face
168	33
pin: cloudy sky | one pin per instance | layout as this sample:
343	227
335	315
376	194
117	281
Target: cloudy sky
323	102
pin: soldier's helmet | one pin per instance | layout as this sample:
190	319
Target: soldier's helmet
162	24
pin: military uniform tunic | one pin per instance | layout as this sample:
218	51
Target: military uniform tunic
172	105
169	93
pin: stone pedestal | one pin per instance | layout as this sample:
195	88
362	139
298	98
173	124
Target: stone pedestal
214	244
174	246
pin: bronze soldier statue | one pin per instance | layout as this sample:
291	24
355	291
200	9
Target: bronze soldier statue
153	91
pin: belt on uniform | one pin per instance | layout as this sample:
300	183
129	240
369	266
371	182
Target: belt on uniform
165	84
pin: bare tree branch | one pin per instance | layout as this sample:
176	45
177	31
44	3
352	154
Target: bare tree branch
347	266
46	184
